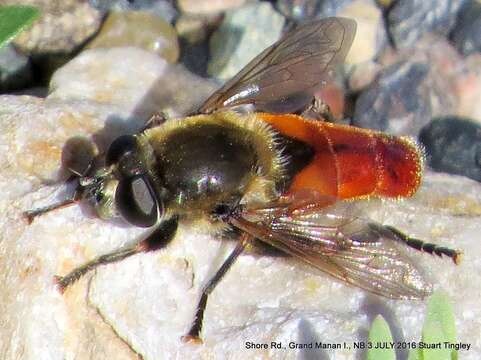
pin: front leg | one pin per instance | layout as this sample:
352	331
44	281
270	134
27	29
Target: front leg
159	238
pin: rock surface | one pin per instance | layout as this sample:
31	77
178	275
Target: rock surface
141	306
408	20
371	36
15	70
453	145
243	34
467	33
162	8
413	85
208	7
62	27
139	29
398	101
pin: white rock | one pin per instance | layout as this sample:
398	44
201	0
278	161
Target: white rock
145	303
370	35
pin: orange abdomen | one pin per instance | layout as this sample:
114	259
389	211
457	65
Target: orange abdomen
351	162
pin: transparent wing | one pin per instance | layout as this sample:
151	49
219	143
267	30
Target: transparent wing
335	241
285	75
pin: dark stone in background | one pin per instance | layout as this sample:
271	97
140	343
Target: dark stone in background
301	10
409	19
195	57
15	70
397	102
162	8
466	35
453	145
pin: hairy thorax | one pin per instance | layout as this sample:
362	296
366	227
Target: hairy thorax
214	161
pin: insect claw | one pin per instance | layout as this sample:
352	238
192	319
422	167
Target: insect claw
191	339
59	282
458	257
28	216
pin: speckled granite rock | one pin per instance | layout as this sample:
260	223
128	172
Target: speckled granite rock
141	306
408	20
414	85
62	27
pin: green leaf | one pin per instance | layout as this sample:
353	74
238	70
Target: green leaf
380	334
433	341
415	354
439	328
14	19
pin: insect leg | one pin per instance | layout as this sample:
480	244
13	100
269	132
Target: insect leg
155	120
417	244
30	215
319	110
194	332
159	238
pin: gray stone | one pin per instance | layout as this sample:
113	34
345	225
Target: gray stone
15	70
414	85
397	102
161	8
208	7
408	20
466	35
453	145
306	9
243	34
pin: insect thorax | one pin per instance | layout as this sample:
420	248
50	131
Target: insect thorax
206	161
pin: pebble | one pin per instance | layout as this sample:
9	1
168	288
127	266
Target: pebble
466	35
397	102
140	29
195	57
453	145
62	27
160	8
408	20
243	34
135	80
362	75
371	36
208	7
401	101
468	88
195	29
299	10
15	69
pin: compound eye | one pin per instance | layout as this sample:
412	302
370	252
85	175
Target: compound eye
122	145
137	203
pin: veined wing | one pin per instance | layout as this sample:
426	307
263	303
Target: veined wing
335	241
285	75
